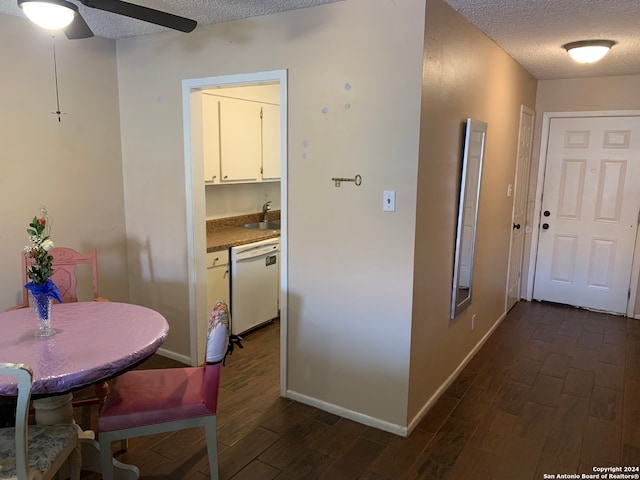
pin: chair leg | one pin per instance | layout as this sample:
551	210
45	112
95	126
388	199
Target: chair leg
102	390
212	446
75	463
106	459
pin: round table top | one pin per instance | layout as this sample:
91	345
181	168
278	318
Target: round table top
94	341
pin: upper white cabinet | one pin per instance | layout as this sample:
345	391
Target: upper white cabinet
211	139
241	135
240	140
271	155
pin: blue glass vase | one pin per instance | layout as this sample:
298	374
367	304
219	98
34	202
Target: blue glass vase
42	306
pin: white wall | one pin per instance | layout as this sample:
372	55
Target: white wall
354	71
240	199
73	166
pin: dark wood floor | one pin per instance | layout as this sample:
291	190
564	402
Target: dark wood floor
554	390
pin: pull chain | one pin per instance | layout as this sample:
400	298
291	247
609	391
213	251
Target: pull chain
55	72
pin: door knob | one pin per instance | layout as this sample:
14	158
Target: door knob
545	226
516	226
546	213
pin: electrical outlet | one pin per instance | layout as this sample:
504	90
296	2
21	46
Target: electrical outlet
473	321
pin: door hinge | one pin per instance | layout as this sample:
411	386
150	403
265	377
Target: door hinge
261	119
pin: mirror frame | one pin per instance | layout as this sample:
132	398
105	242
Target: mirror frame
470	180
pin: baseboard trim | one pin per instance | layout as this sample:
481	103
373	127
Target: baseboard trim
434	398
349	414
174	356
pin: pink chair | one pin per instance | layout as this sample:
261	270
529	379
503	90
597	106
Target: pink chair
147	402
65	261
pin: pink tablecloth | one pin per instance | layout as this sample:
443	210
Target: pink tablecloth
95	340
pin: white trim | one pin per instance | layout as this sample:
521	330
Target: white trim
449	381
546	123
349	414
163	352
196	235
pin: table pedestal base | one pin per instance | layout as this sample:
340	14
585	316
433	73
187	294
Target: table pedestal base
58	409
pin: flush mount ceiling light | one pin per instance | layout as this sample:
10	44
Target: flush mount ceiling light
49	14
588	51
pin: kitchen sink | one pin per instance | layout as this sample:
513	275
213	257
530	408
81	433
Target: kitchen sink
270	225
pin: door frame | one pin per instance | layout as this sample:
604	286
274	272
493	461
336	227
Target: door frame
196	208
535	234
518	185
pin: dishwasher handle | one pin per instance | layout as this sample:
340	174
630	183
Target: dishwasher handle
255	252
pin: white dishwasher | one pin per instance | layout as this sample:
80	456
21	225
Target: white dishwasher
254	284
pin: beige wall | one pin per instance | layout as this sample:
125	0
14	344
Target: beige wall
575	95
73	166
465	75
366	337
354	71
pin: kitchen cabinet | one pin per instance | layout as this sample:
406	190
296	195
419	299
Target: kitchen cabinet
217	278
211	139
241	140
271	156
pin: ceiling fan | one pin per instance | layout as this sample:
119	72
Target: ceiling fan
75	27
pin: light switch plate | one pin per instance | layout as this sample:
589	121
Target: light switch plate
389	201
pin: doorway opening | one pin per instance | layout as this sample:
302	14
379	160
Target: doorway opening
584	235
196	206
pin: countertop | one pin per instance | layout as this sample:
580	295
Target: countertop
223	233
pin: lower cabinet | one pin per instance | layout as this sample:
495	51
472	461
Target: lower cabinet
218	275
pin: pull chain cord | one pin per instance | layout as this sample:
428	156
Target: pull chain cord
55	72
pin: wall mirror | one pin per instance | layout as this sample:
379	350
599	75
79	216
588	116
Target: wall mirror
474	139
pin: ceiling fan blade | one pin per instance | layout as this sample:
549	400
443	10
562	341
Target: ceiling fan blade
143	13
78	29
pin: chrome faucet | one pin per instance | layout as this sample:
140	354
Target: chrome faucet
265	210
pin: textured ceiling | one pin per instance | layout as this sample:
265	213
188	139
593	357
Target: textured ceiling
205	12
531	31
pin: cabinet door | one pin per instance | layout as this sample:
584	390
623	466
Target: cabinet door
239	140
211	138
271	156
217	278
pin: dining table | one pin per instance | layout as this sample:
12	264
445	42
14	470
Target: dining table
94	341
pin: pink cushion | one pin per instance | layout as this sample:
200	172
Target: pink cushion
148	397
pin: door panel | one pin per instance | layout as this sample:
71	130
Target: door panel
590	208
519	206
571	189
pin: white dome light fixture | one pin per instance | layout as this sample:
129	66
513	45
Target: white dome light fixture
49	14
588	51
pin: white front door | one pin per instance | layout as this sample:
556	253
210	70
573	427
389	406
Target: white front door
590	204
519	206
